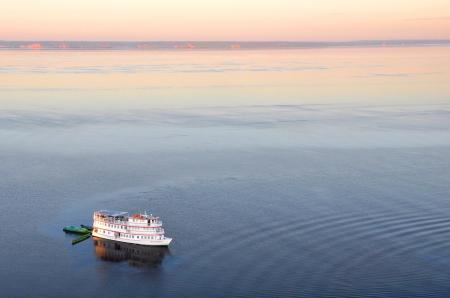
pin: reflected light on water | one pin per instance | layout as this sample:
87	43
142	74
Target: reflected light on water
147	79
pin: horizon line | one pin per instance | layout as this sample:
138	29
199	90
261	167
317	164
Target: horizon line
212	45
234	40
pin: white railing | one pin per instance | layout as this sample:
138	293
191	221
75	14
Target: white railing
124	227
105	219
120	222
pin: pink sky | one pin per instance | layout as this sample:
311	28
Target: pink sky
224	20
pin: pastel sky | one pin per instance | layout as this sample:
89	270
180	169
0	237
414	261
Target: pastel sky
224	19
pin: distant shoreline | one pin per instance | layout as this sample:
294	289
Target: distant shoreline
210	45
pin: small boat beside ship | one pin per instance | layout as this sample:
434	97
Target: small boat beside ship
137	228
84	231
81	230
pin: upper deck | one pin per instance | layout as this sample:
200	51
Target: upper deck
123	218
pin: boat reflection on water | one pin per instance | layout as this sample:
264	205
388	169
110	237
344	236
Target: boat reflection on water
135	255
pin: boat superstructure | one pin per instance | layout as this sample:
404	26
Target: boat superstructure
138	228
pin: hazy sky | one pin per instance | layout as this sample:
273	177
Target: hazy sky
223	19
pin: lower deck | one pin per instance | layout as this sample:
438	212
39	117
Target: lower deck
132	238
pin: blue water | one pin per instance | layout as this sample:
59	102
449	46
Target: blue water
302	173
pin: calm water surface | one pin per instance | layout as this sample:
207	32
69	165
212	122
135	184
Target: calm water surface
279	173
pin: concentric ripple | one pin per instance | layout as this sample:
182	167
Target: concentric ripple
321	255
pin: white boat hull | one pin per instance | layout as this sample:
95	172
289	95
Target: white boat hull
150	242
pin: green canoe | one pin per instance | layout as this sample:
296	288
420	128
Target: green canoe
81	238
76	230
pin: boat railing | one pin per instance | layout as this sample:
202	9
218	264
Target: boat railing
147	230
154	225
118	222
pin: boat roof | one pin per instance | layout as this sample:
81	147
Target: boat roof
112	213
